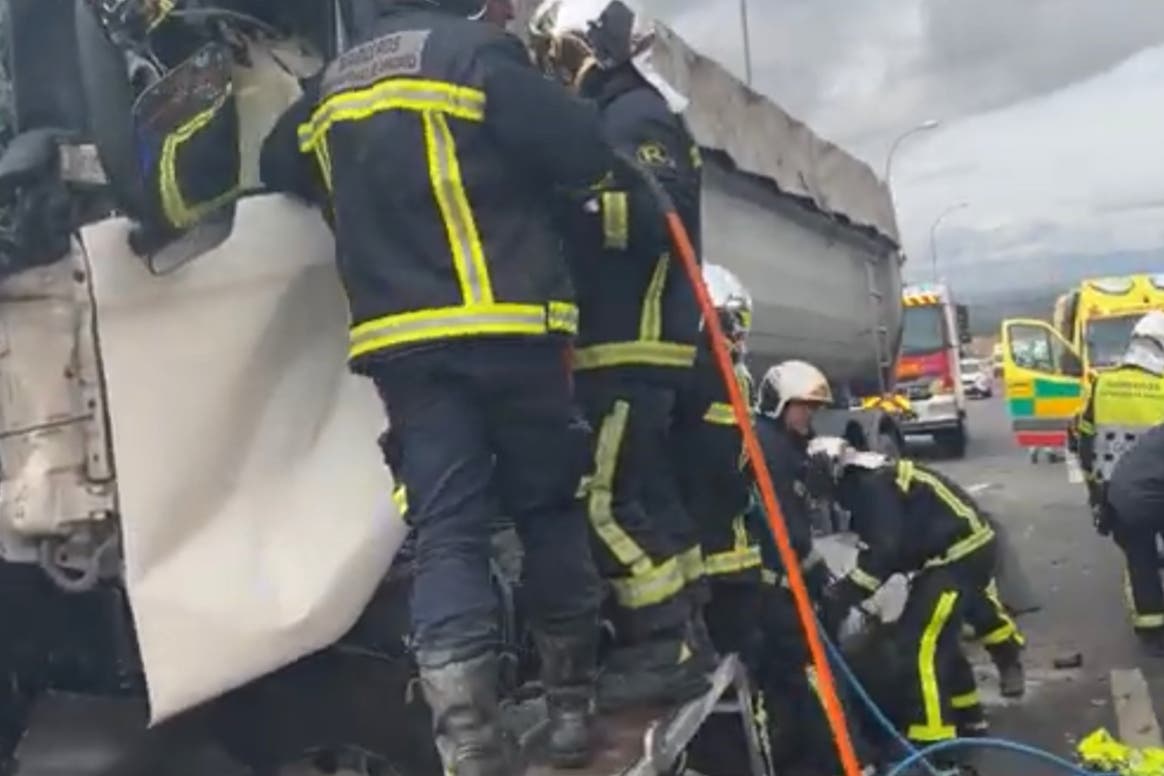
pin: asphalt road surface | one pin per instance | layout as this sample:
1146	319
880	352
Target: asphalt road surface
1078	578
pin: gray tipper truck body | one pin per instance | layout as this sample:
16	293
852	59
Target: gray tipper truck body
194	517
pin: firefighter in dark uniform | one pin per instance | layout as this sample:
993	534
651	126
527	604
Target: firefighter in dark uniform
789	396
636	345
1123	404
1135	499
714	475
912	520
440	148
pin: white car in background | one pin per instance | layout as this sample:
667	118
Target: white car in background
977	377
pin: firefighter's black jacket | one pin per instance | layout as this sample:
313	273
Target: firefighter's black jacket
908	517
714	454
1136	490
638	311
785	453
439	145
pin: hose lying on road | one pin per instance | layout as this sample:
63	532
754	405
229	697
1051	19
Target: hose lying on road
917	756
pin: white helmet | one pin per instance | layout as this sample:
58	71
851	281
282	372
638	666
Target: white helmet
792	381
570	38
1146	349
734	303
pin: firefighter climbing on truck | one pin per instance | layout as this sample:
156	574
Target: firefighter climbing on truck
462	316
713	470
1121	405
912	520
638	328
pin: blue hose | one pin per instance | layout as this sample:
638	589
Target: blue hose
919	756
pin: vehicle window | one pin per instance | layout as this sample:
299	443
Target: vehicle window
1034	348
924	330
1107	339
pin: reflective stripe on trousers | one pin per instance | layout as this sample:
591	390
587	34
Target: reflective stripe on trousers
933	727
649	583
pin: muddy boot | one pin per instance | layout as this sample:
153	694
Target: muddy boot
1007	657
463	699
568	669
661	671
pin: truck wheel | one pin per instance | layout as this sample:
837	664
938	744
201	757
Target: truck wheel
953	442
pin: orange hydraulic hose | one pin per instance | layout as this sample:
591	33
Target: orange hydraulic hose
827	685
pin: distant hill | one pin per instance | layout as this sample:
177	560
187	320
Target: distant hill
1027	286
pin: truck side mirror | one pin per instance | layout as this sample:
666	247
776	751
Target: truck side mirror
963	315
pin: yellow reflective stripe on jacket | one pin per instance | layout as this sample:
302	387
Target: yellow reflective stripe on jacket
323	158
614	354
651	320
412	94
464	240
1008	630
649	588
178	212
400	499
980	532
461	321
691	564
932	727
721	414
615	220
743	556
865	580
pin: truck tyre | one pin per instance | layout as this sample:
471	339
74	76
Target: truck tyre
953	442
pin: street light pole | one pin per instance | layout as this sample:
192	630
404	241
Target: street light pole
934	233
925	126
747	43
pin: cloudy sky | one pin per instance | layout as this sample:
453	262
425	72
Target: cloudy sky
1052	111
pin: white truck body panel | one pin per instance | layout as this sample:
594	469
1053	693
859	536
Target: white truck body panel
254	503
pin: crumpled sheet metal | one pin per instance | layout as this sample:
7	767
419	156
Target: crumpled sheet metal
763	139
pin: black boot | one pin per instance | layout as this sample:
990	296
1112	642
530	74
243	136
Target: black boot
463	699
1152	641
1007	658
568	669
661	671
972	722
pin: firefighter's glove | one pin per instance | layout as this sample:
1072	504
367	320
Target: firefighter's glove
838	600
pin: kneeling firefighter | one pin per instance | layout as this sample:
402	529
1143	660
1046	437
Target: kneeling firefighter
789	396
912	520
713	470
638	328
440	150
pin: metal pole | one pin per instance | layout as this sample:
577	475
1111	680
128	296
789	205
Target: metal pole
747	42
925	126
934	234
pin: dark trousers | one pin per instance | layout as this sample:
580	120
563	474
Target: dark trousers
632	505
479	429
941	686
1142	584
989	620
798	727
